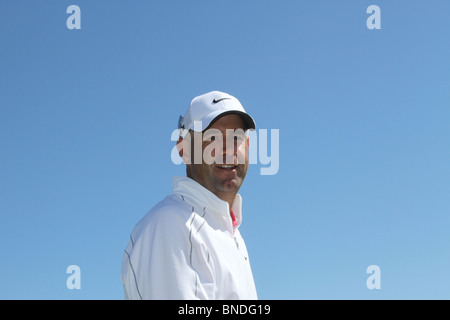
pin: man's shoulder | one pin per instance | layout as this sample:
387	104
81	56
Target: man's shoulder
171	212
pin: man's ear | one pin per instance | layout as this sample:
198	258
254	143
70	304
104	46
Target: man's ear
184	147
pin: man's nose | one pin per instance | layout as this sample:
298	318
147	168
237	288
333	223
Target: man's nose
229	150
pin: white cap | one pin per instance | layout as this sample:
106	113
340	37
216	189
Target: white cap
208	107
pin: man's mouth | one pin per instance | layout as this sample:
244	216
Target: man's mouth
226	166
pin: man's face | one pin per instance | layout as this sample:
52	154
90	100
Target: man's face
224	161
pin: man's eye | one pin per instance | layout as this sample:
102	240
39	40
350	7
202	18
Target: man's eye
209	139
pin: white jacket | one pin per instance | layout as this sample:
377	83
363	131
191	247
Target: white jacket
185	248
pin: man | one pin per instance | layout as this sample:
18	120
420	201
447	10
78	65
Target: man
188	246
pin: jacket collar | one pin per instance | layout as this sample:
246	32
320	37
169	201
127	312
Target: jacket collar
199	196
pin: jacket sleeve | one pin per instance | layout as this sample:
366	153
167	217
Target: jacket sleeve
165	259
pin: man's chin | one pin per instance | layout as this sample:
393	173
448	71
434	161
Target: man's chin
229	185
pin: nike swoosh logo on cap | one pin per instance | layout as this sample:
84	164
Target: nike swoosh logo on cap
216	101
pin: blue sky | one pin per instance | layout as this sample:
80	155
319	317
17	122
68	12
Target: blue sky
363	118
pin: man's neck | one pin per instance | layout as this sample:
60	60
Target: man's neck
228	197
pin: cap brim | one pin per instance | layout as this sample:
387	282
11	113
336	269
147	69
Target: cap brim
248	120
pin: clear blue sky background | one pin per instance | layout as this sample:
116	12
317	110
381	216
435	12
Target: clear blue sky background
364	175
